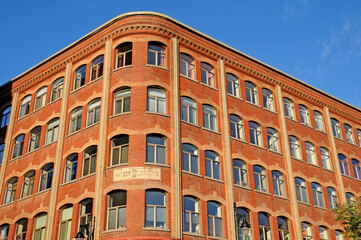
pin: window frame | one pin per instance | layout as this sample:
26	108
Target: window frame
42	228
79	77
208	75
268	99
255	133
91	158
75	120
57	89
52	131
332	197
97	68
20	232
301	190
240	173
214	220
260	177
212	165
40	98
157	146
119	223
295	147
278	181
356	168
70	168
251	92
93	112
18	146
34	139
123	53
10	191
273	140
155	207
193	215
189	64
209	117
121	101
336	128
190	157
189	110
233	85
343	164
65	223
317	195
289	108
265	231
304	115
283	232
120	148
46	174
159	99
325	158
311	153
160	54
25	106
307	232
349	134
5	116
236	125
319	124
28	184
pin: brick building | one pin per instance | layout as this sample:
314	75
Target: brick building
157	130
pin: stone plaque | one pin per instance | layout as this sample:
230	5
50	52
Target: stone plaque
136	173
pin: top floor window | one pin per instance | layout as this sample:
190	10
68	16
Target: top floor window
156	54
305	116
97	68
251	93
189	110
124	54
187	66
268	99
122	101
207	74
40	98
289	109
79	78
25	106
349	134
319	121
336	129
57	89
209	117
359	136
232	85
5	117
156	100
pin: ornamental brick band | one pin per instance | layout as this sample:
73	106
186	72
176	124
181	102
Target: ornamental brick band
137	173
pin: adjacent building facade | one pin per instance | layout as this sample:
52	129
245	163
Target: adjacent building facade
157	130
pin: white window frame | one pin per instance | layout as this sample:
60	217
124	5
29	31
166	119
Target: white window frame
273	140
214	220
210	118
233	86
52	131
28	184
311	153
97	69
261	177
40	98
336	128
236	124
278	183
268	99
317	195
212	165
319	121
295	146
325	157
305	115
158	152
57	89
251	93
240	173
156	101
207	74
349	134
192	215
121	98
25	106
79	77
65	223
189	110
187	66
159	51
289	108
93	115
75	120
119	223
255	133
157	210
124	54
301	190
332	197
40	226
190	156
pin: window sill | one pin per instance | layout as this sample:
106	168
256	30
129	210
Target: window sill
257	146
193	174
14	159
253	104
330	170
120	68
44	191
95	80
273	151
271	111
24	198
161	67
156	229
73	133
212	237
188	78
209	86
353	144
313	165
281	197
32	151
192	124
338	138
119	114
307	204
48	144
36	110
66	183
157	164
114	230
321	131
259	191
54	101
118	165
212	131
193	234
236	97
78	89
239	140
297	159
291	119
213	179
86	176
94	124
7	204
157	113
244	187
20	118
323	208
346	176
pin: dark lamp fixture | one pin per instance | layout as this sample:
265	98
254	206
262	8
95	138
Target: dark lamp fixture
87	228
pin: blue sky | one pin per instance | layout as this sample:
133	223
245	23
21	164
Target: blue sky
318	42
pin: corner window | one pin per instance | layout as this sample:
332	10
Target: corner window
343	164
268	99
190	158
283	230
350	198
75	119
4	231
212	164
336	129
251	93
57	89
255	133
289	109
65	223
232	85
155	209
332	197
90	159
21	228
120	149
52	131
117	207
97	68
323	233
156	54
93	112
28	184
317	194
264	226
25	106
236	125
319	121
124	54
46	177
272	138
356	169
305	116
301	190
79	78
34	141
40	98
214	213
207	74
306	231
71	165
278	184
310	153
349	134
18	146
260	178
187	66
191	215
122	101
5	117
40	226
156	149
209	118
10	191
240	173
295	147
189	110
156	100
325	157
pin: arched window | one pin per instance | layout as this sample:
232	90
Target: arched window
305	116
214	213
52	131
156	149
34	140
40	98
10	191
117	207
343	164
236	124
120	149
189	110
40	226
25	106
97	68
289	108
93	112
65	223
317	194
319	121
325	157
251	92
209	117
232	85
350	198
268	99
359	136
240	173
187	66
301	190
272	137
21	228
356	168
90	159
86	207
260	178
75	119
156	54
124	54
191	215
310	153
190	158
57	89
306	231
18	146
332	197
156	100
255	133
336	129
243	215
283	230
323	232
46	177
122	101
295	147
79	77
5	117
212	164
207	74
4	231
278	184
349	134
339	235
28	184
264	226
71	165
155	209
